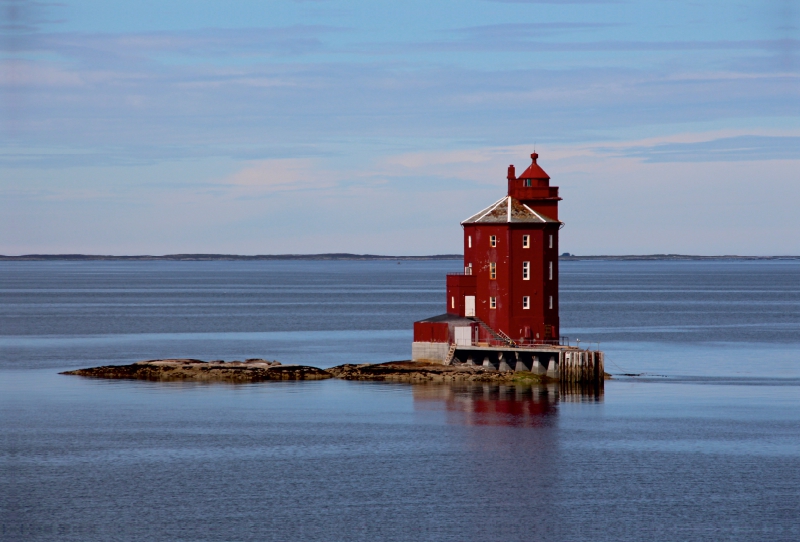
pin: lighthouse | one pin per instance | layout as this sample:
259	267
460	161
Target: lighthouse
507	295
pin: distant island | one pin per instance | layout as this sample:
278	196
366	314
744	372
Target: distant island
675	257
376	257
227	257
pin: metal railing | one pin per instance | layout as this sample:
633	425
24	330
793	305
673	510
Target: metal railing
533	343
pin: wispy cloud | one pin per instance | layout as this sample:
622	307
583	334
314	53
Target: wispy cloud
20	17
478	41
175	48
265	177
517	31
128	113
381	116
728	149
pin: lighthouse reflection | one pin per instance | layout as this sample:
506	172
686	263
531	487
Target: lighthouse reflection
500	404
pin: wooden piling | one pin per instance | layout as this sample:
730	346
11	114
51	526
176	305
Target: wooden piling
582	366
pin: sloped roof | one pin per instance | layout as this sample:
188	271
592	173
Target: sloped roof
534	171
508	210
447	318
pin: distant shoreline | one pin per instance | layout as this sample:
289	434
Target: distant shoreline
674	257
225	257
362	257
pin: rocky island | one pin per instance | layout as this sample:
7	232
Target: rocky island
259	370
252	370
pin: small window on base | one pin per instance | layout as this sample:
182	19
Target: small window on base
526	302
492	302
526	241
492	240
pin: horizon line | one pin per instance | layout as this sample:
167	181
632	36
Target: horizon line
353	256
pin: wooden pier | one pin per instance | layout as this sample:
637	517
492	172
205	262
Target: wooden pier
581	366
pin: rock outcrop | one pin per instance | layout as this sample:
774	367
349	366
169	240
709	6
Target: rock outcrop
411	371
258	370
252	370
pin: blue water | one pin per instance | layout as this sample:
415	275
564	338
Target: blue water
704	445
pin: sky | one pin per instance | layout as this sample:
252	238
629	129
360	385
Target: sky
270	127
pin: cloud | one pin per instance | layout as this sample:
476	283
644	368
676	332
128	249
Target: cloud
521	31
478	40
104	49
265	177
729	149
617	199
21	17
145	114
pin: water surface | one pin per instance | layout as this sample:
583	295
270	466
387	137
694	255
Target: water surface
705	445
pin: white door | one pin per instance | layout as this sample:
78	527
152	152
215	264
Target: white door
469	305
463	336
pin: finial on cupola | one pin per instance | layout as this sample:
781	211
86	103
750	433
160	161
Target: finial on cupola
534	156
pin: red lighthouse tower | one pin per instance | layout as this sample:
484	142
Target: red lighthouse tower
508	292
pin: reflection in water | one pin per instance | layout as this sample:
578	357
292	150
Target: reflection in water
580	392
501	404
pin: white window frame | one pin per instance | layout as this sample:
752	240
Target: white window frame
452	302
492	240
492	302
551	241
526	270
551	272
526	241
469	241
492	271
551	302
526	302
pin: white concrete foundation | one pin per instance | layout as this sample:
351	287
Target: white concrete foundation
431	352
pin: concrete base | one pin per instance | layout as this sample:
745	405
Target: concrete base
515	359
430	352
562	363
552	367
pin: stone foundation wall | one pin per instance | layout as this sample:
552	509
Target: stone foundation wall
435	352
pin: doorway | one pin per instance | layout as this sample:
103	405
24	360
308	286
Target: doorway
469	305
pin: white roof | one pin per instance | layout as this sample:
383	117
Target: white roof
508	210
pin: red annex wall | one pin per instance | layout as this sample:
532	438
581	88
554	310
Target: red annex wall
431	332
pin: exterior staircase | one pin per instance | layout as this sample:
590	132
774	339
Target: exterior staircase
498	335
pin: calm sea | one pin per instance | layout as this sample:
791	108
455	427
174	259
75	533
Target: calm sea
703	445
